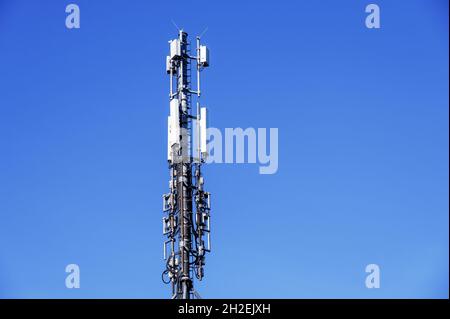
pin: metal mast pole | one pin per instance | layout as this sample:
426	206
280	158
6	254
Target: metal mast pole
186	256
184	170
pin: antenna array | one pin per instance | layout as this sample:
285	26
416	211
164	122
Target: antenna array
187	231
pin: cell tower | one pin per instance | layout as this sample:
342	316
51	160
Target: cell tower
187	231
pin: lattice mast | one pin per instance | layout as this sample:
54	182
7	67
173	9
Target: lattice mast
187	231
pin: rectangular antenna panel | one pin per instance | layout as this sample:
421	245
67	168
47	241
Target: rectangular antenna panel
169	146
175	49
168	64
203	129
204	55
173	127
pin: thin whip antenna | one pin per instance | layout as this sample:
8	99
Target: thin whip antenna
204	31
173	22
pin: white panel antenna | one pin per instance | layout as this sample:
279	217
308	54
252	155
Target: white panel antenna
173	127
204	56
169	142
175	51
203	131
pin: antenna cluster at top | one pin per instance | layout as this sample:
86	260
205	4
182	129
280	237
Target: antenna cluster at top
178	67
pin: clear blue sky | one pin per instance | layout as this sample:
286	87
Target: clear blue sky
363	147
